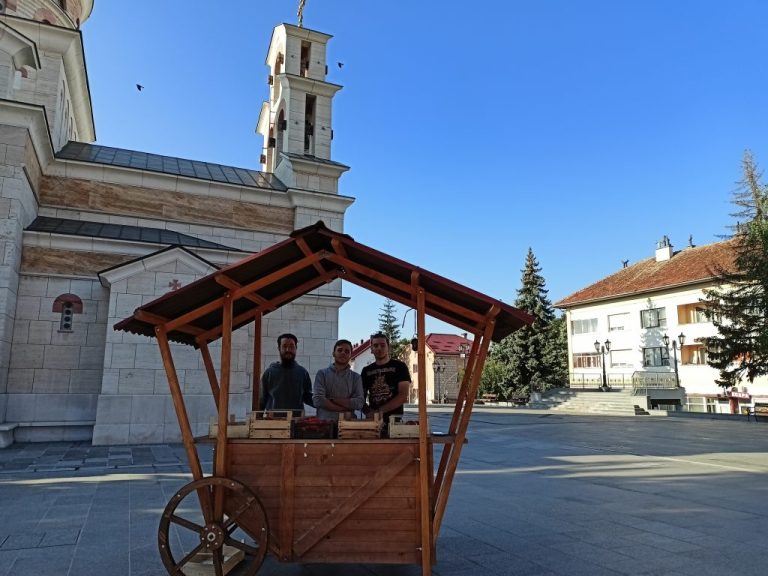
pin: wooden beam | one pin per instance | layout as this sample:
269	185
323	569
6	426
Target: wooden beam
307	251
187	438
370	272
338	247
286	270
221	440
272	304
425	475
210	371
444	489
363	282
461	401
193	315
233	285
157	320
256	392
336	516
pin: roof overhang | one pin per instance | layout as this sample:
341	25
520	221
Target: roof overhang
310	258
69	44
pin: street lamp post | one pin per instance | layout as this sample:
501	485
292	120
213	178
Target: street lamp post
438	367
603	349
675	344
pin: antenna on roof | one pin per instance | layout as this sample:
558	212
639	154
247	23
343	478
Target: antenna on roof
624	263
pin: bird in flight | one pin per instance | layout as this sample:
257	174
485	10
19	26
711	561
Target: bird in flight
139	87
340	64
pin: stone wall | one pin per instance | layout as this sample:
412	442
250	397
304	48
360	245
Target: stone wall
55	373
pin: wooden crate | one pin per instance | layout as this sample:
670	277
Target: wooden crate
353	429
313	428
201	563
235	429
399	429
270	424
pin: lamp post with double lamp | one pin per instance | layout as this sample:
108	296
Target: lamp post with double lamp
438	366
603	349
675	344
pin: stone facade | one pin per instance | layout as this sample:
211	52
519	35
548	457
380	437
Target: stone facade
82	231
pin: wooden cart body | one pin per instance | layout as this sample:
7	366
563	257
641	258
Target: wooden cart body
335	501
325	501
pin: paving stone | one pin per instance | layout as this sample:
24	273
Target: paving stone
60	537
22	541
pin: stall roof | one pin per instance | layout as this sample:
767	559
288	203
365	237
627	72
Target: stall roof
308	259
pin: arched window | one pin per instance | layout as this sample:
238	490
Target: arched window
67	305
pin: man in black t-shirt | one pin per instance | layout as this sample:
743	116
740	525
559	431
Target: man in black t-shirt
386	381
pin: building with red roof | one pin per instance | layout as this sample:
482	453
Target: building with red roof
445	356
644	328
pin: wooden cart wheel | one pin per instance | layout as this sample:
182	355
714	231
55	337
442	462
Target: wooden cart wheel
189	538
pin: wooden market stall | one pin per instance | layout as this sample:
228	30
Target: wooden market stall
335	501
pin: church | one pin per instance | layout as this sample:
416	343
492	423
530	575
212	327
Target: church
90	232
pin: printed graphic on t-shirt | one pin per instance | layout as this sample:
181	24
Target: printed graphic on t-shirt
380	391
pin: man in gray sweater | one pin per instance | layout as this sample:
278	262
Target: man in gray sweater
337	388
285	385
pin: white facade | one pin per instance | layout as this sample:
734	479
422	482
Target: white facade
83	380
635	326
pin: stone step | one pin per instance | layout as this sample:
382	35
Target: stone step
619	402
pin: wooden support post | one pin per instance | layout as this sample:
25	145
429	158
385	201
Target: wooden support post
211	371
256	392
425	474
221	439
181	414
444	488
461	403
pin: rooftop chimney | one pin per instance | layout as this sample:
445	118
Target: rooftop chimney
663	249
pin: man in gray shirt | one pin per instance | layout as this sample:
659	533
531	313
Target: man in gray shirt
337	388
285	385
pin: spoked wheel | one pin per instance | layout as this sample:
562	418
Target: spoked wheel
190	539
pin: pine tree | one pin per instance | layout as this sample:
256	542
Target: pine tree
738	307
388	324
530	354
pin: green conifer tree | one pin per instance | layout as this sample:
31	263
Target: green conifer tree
388	324
528	354
738	307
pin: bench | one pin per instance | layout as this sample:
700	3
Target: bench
488	397
759	409
519	400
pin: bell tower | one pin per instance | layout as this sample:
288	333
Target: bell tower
296	120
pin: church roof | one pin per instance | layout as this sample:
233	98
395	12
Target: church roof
169	165
120	232
693	265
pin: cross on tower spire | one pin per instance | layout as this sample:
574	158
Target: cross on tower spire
300	13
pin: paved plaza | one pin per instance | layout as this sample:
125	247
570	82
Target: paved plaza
535	494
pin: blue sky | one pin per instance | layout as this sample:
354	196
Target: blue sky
474	130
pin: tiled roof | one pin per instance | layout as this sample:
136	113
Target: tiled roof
358	349
446	343
120	232
312	158
169	165
689	266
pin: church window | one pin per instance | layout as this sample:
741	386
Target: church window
67	305
304	62
309	124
